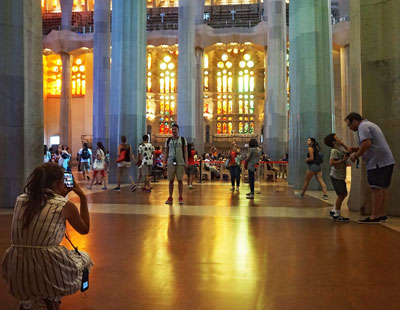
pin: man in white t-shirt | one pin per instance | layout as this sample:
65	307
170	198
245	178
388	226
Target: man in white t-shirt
145	158
85	158
379	161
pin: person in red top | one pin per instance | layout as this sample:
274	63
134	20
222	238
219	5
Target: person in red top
191	169
234	166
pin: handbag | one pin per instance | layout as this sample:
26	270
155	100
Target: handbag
98	165
121	156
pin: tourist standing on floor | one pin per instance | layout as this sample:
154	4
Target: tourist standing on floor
338	161
253	156
46	154
176	160
99	166
123	160
191	169
146	160
314	161
379	161
85	158
234	165
38	270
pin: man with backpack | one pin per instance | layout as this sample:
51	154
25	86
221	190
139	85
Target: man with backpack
175	156
85	156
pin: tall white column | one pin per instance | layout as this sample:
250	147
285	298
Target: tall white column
65	100
199	141
21	95
101	72
276	112
186	70
128	77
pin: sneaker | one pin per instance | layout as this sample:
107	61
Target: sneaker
180	200
237	188
117	189
104	188
332	213
89	187
341	219
190	186
383	218
325	197
368	220
299	194
251	196
169	201
232	189
133	188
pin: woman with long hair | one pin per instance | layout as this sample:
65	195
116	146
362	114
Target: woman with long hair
99	166
314	161
38	270
234	166
191	169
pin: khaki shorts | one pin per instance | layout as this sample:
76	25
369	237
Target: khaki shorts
173	170
146	170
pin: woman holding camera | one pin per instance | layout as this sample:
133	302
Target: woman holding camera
38	270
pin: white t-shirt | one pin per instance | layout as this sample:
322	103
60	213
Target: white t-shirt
85	160
146	150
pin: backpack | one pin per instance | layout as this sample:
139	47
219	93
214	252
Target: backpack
318	158
85	153
183	145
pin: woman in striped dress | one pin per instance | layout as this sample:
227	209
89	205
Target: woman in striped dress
38	270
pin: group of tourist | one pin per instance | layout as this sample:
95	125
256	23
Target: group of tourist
378	159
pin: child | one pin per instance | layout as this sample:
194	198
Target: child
338	161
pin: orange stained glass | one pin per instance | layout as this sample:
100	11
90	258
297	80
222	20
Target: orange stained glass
219	127
149	61
229	127
162	89
149	84
206	83
224	129
172	107
230	107
167	84
172	85
224	83
240	106
166	107
161	107
240	127
224	107
205	107
219	107
230	84
161	128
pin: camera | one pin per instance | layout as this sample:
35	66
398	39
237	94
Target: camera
174	161
68	179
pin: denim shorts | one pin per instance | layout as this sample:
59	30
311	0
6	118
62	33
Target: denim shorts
380	177
314	167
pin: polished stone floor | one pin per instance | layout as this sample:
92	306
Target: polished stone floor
222	251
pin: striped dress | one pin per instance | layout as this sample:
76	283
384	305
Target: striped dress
36	266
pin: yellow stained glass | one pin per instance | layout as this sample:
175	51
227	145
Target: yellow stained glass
219	84
149	84
172	107
240	106
166	107
224	107
229	127
206	83
148	61
172	85
246	57
240	84
219	107
167	59
224	84
167	84
220	65
240	127
218	127
246	107
230	106
246	83
252	83
224	129
250	64
228	64
206	61
242	64
230	84
224	57
161	107
251	127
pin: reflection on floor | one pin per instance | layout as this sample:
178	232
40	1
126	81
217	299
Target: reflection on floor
223	251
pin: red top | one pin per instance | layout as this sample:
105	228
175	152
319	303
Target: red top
191	158
232	156
157	153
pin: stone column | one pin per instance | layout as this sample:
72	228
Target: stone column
341	126
66	15
101	72
199	141
311	105
186	71
265	6
199	11
380	86
21	95
276	116
344	8
128	77
66	59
